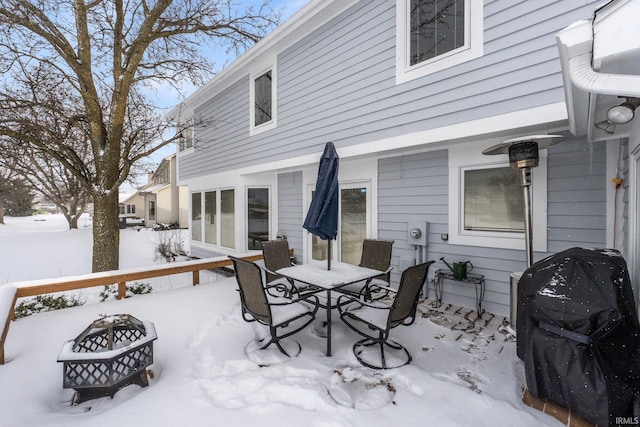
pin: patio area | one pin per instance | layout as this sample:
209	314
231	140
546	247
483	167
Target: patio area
464	371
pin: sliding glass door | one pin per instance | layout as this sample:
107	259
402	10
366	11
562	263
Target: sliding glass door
353	227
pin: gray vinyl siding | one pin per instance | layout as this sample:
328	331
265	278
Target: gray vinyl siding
624	241
415	187
221	133
338	84
290	211
576	195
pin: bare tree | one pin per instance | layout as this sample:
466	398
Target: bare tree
45	176
109	54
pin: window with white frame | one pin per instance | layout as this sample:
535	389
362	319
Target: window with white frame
432	35
217	225
486	202
263	100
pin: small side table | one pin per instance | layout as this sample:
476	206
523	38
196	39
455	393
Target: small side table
476	279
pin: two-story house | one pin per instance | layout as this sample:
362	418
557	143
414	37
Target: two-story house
411	93
165	202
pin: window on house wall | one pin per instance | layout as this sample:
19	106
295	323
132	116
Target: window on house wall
227	218
353	227
257	217
131	209
186	141
196	216
433	35
353	223
152	210
263	100
210	213
493	200
217	227
121	209
435	28
486	202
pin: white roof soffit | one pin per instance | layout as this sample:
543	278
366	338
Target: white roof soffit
581	81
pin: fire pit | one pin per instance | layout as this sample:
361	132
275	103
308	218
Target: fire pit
113	352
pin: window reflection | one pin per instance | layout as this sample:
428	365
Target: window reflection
257	217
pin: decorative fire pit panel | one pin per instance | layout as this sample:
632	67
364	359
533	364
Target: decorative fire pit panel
111	353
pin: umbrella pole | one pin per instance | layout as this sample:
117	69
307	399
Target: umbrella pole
329	254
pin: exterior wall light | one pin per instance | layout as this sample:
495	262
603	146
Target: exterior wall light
624	112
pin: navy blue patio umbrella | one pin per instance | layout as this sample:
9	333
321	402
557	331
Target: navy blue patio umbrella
322	217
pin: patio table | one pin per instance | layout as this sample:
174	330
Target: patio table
316	275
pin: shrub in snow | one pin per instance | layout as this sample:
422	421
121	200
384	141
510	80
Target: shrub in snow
41	303
170	245
135	288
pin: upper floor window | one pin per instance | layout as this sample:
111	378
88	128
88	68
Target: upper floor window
263	101
433	35
435	28
186	137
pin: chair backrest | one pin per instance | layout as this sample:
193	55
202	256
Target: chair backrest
276	256
252	293
376	254
406	300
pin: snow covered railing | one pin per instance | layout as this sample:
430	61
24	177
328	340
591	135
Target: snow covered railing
7	303
9	293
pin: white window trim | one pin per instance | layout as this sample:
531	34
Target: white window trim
466	156
253	129
473	46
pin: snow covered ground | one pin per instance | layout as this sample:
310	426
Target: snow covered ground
464	372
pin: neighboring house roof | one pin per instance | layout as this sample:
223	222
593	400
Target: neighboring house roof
125	197
154	188
599	66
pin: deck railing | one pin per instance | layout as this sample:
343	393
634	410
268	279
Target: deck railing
121	277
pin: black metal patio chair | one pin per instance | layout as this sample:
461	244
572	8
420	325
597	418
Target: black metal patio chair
374	320
284	316
376	254
276	256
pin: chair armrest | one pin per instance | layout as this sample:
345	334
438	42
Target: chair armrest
304	298
372	304
387	288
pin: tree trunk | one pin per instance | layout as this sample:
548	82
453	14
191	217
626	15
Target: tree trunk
1	213
73	221
106	233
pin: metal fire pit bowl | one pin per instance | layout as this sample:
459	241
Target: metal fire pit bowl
113	352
